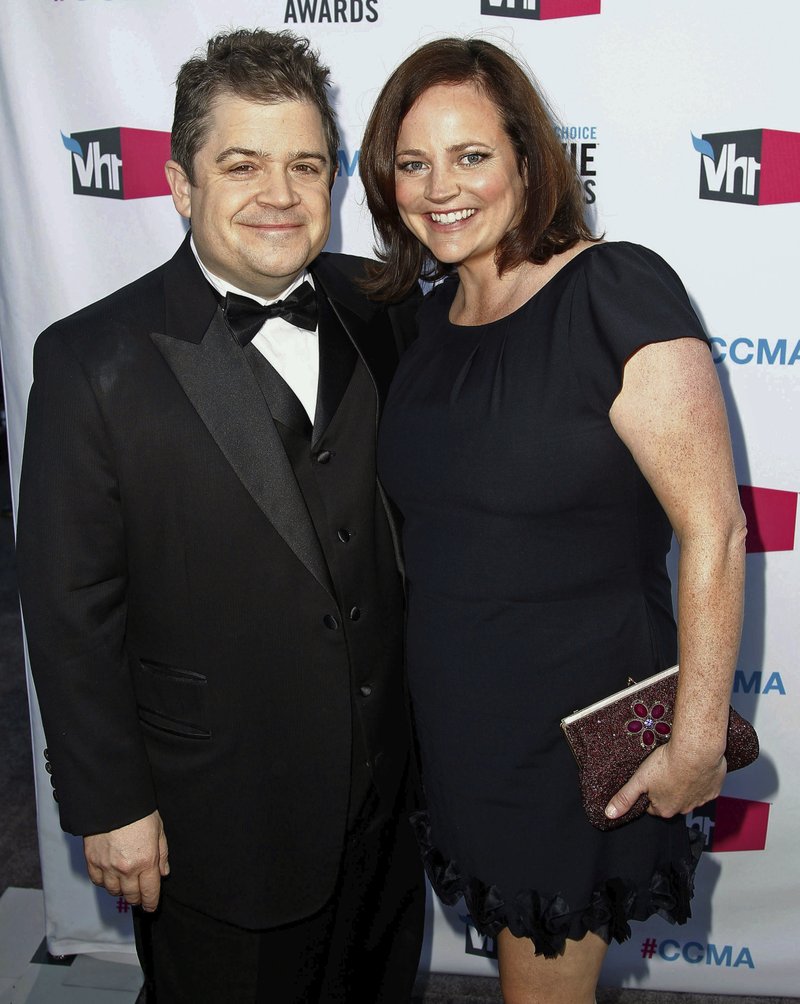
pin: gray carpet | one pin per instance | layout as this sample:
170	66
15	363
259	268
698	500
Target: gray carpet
484	990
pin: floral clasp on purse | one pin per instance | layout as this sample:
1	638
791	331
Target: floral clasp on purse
648	725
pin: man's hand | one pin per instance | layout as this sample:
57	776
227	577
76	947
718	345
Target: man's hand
130	861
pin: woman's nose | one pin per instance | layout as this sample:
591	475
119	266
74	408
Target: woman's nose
441	186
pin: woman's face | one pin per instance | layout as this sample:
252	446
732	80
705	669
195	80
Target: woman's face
457	185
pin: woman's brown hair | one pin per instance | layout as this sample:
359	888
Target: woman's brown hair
552	218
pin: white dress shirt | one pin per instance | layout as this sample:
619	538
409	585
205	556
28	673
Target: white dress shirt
293	351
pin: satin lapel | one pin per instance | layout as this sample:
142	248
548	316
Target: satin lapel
337	357
368	327
218	381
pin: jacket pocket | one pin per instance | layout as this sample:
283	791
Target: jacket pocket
171	699
171	725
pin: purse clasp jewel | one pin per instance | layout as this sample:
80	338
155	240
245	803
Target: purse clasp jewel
648	725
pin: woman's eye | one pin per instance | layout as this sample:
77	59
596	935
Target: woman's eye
473	158
411	166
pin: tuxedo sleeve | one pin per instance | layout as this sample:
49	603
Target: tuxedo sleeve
403	318
71	566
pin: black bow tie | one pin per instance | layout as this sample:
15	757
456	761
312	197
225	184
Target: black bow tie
245	317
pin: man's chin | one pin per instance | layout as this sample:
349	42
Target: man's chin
269	280
282	266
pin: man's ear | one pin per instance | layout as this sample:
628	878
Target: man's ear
334	174
180	186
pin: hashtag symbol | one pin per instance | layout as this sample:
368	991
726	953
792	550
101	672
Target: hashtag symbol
122	905
649	946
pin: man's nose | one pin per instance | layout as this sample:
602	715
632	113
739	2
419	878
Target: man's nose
276	189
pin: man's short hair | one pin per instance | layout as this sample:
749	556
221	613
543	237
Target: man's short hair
258	65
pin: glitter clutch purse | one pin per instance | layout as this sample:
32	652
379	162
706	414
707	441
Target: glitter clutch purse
612	737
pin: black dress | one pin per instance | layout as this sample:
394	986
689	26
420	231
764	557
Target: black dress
535	559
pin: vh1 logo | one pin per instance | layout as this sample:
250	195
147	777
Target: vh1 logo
732	824
119	163
540	10
760	167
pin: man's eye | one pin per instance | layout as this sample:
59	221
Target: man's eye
241	169
306	168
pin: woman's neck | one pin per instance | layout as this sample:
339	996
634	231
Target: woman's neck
484	296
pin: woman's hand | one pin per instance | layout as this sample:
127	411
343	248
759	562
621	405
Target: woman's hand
674	781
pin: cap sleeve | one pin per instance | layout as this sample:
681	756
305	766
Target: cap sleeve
625	296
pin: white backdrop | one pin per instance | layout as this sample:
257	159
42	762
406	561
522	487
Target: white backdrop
633	81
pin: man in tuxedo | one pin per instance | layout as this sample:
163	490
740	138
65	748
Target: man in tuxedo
208	569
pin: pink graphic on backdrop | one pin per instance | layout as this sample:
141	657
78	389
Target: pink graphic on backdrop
144	153
567	8
771	516
740	824
780	167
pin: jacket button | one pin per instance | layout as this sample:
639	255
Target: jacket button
46	754
324	456
48	767
330	622
355	613
366	690
343	535
55	795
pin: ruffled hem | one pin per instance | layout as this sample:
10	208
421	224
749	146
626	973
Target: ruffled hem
550	922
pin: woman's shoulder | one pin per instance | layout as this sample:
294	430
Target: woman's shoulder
617	279
624	296
624	263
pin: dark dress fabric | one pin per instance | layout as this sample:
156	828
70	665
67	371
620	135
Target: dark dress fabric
535	558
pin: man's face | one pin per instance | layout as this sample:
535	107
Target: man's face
260	207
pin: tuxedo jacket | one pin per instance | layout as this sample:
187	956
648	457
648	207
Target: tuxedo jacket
184	628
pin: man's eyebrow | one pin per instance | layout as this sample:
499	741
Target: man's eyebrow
243	151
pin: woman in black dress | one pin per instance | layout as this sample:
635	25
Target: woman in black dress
557	419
